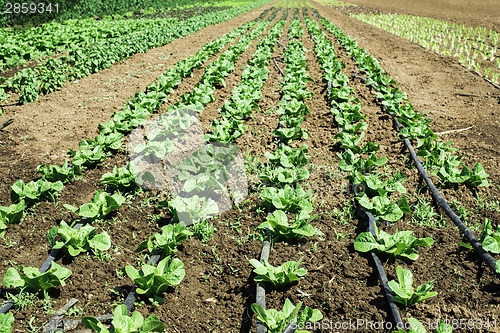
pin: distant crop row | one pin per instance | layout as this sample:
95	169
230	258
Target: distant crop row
476	48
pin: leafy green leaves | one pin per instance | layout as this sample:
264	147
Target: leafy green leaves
33	280
193	209
75	241
278	276
278	225
6	321
288	198
405	294
64	173
277	321
400	244
122	323
153	281
34	191
13	213
102	205
172	235
381	207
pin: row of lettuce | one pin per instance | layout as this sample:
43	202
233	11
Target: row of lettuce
289	204
374	196
152	281
437	155
350	121
89	56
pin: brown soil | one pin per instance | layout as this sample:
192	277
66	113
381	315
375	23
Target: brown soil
218	289
479	13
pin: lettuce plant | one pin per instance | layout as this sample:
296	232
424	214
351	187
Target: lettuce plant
64	173
490	239
289	157
400	244
405	294
122	323
382	207
102	205
31	278
120	178
88	157
288	198
153	281
75	241
13	213
276	321
278	225
172	235
284	175
192	209
6	321
34	191
278	276
292	133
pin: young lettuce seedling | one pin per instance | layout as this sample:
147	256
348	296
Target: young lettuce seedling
277	321
400	244
279	227
102	205
122	323
153	281
172	235
278	276
75	241
33	280
405	294
6	321
64	173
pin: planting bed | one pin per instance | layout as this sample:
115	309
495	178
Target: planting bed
218	289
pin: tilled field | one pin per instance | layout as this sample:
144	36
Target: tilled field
218	289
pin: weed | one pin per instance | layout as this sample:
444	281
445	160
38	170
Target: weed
203	230
423	214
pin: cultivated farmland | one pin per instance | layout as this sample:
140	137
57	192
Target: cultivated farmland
253	167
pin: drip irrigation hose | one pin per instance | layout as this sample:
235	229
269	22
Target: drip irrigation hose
260	297
436	195
276	64
279	43
7	123
381	272
444	204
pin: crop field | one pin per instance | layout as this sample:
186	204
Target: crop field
250	166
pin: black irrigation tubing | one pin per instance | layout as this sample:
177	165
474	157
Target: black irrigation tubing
260	297
436	195
7	123
276	63
283	46
380	268
444	204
